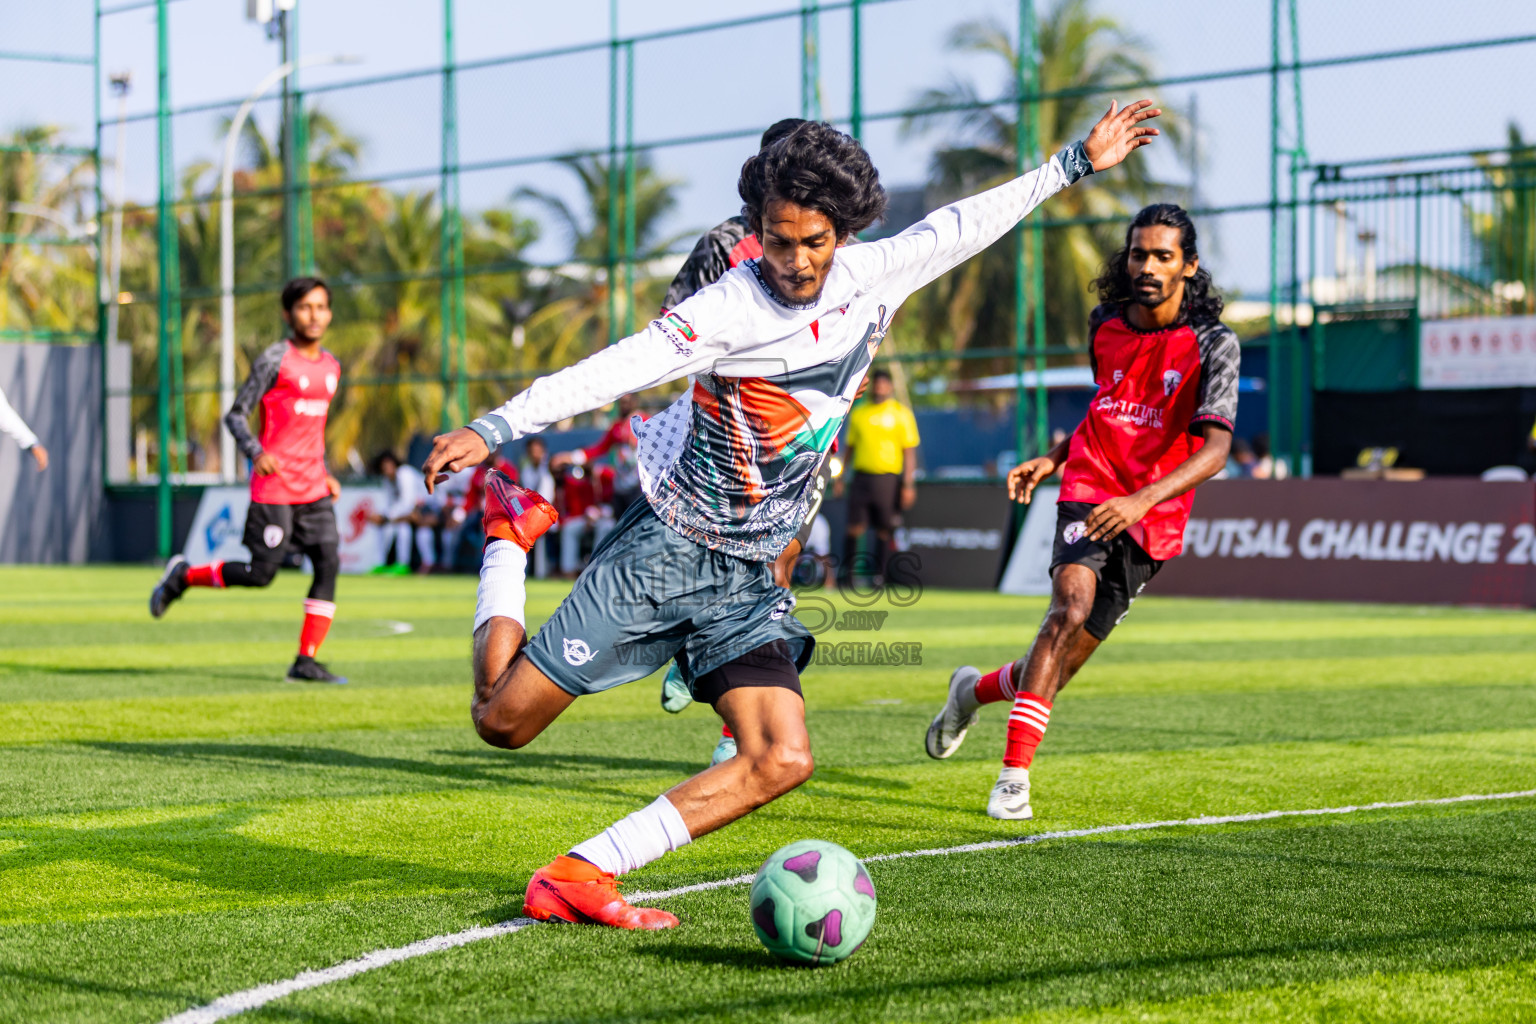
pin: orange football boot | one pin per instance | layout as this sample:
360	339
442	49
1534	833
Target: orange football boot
515	513
573	891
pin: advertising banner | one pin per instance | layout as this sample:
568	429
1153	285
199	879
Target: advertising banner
1029	567
220	522
1438	541
956	532
1478	352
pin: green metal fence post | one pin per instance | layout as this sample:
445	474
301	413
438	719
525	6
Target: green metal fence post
304	214
102	298
613	171
629	188
288	144
810	61
167	262
856	105
1301	426
1021	154
447	213
1272	355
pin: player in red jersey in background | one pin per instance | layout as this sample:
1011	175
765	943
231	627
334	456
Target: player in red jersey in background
291	491
1161	424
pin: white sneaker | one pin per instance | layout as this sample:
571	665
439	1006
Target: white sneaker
724	750
952	722
1010	796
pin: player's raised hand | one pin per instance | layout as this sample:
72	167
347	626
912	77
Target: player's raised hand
1023	478
452	452
1119	132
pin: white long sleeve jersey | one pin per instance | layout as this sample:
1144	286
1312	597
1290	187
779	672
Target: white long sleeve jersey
13	426
730	464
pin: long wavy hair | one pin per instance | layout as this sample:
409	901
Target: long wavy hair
1202	303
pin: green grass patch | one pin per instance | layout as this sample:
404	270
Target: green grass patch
177	823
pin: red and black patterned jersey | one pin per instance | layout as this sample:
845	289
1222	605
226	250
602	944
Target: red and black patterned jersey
720	248
295	396
1155	389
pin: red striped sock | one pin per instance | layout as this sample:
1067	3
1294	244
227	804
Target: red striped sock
1026	728
317	622
999	685
210	575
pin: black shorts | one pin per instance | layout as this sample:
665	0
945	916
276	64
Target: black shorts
769	665
650	595
874	500
271	529
1122	567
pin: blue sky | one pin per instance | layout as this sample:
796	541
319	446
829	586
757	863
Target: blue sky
746	78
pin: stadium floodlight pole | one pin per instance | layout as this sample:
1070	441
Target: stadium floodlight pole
227	245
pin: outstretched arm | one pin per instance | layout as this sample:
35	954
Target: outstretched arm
950	236
14	427
670	347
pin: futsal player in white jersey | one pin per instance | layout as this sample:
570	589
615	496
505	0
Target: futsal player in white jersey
777	348
14	427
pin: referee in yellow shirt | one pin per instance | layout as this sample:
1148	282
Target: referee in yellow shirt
882	436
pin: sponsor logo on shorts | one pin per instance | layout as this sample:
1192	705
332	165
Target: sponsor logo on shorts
1074	532
272	536
1171	381
577	652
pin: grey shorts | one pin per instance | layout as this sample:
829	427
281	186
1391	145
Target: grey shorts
650	595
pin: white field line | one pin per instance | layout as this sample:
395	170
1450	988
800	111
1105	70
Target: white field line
251	998
261	995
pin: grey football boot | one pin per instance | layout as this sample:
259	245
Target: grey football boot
949	726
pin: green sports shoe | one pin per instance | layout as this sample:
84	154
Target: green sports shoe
675	694
724	750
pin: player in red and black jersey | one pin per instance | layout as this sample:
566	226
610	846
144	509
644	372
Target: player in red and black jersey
291	492
1161	424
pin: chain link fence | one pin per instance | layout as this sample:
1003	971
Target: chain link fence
487	211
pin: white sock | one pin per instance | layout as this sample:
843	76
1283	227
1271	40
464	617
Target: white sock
503	587
637	840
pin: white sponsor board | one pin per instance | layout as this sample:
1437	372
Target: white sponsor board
220	523
1398	540
1029	567
1478	352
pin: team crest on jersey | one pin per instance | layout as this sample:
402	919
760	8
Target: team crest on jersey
303	383
1074	532
272	536
577	652
331	382
1171	381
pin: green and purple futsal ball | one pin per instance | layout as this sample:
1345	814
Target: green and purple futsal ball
813	903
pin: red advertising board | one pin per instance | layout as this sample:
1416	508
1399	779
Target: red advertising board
1438	541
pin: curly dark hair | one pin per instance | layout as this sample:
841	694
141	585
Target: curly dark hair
820	168
1202	303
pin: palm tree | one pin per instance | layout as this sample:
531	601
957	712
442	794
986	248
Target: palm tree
1081	51
44	287
574	322
1505	233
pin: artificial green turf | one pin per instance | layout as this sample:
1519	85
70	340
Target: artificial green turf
177	824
